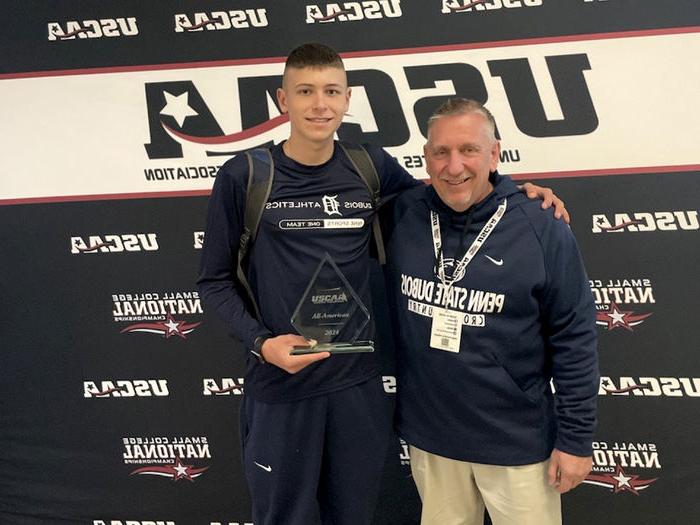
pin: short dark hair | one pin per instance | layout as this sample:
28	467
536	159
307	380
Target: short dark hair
313	54
462	106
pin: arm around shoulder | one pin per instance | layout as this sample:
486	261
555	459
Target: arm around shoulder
569	323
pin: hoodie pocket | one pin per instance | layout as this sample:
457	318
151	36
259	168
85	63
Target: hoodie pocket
532	395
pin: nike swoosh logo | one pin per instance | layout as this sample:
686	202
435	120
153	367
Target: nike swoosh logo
498	262
266	468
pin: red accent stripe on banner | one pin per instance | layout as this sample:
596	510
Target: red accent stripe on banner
355	54
605	172
646	170
106	197
241	135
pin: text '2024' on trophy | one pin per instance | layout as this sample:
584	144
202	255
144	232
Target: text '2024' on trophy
331	313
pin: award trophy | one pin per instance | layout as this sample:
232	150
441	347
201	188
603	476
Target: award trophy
331	313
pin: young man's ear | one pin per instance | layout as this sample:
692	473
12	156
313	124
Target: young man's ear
282	99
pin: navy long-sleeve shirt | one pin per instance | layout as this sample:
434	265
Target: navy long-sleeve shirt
303	220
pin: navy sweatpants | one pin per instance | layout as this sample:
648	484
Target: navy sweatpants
318	460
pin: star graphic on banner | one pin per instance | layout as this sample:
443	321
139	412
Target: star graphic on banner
620	481
173	327
181	471
625	482
614	317
607	383
177	107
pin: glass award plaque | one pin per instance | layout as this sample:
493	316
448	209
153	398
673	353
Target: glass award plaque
331	313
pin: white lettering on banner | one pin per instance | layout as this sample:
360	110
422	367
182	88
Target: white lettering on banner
198	240
136	453
221	20
612	461
626	458
127	388
158	152
650	386
625	291
462	6
686	220
133	522
111	243
352	11
177	173
614	299
148	306
226	386
104	27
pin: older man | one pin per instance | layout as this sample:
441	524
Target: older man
492	302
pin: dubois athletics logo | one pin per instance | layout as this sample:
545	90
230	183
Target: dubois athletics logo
163	312
169	457
615	465
331	204
618	302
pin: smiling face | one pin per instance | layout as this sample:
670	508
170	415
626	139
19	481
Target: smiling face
316	98
460	153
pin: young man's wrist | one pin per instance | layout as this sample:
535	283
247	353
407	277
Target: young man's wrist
258	343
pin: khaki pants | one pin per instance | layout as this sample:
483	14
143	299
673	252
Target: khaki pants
455	492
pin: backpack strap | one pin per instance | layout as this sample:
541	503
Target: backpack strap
365	168
261	171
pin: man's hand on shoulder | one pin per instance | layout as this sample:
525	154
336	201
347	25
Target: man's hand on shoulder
548	199
567	471
275	351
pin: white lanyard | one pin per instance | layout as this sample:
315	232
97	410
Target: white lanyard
473	249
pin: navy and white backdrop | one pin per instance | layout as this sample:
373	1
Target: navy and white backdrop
119	395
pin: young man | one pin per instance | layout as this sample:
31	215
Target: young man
491	302
314	427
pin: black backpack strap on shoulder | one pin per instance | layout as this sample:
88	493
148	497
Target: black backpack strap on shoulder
261	171
365	168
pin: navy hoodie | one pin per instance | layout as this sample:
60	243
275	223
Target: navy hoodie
529	317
